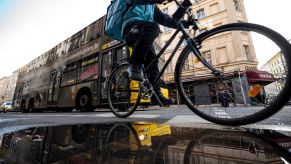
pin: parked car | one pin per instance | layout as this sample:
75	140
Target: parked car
6	106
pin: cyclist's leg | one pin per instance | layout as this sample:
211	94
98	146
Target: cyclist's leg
140	35
152	73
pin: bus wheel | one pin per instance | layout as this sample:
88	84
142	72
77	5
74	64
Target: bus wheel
80	133
83	102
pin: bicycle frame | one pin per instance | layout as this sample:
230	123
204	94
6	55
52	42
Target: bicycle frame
191	43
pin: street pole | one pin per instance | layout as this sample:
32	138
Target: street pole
241	87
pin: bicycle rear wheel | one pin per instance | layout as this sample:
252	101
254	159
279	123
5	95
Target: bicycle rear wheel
123	93
252	84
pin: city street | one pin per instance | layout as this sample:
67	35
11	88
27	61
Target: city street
174	116
161	134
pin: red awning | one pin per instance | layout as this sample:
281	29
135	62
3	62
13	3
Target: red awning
260	77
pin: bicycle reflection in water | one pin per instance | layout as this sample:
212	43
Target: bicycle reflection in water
142	142
187	145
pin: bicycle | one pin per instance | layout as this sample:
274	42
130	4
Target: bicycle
221	93
124	144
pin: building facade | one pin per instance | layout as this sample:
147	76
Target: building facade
230	52
3	89
7	87
276	66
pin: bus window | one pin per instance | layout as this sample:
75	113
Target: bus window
121	55
89	69
69	74
106	71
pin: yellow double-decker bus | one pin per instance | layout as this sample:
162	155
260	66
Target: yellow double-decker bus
71	75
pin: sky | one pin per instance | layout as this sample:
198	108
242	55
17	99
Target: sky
29	28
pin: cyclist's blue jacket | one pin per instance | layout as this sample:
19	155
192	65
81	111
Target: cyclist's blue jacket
146	10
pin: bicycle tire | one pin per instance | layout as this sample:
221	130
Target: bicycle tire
123	104
120	133
274	106
217	138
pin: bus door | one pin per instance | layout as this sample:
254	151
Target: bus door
54	85
106	69
110	60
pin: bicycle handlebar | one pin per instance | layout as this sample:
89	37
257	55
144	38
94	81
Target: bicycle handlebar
182	9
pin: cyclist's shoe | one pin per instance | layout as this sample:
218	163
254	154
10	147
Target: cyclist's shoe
165	101
135	72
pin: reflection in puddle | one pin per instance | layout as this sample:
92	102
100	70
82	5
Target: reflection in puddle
142	143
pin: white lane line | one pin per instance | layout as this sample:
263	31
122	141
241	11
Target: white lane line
185	119
104	115
107	115
143	116
11	119
52	115
132	116
221	113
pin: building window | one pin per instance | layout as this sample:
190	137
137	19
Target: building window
200	14
207	56
247	52
184	43
221	55
170	67
186	66
202	30
237	5
217	24
214	8
166	11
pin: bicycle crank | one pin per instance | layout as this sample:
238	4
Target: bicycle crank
146	90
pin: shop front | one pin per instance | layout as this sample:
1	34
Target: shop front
209	90
258	81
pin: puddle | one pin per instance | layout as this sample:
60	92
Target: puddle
142	142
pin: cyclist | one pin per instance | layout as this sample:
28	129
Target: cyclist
139	30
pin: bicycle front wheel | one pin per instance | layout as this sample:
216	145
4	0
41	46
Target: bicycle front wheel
254	79
123	93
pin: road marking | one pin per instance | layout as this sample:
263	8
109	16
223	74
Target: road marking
143	116
108	115
183	119
52	115
11	119
221	113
